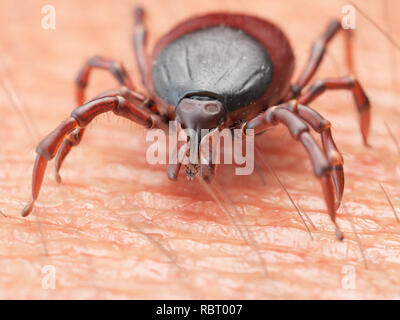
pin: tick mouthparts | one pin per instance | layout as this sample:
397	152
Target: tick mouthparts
209	147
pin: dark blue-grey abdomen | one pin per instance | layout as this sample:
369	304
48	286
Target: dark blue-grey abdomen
221	60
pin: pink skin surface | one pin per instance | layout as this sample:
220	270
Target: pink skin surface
118	228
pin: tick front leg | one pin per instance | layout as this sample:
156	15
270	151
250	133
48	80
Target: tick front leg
300	131
72	140
135	98
116	69
80	118
349	83
323	127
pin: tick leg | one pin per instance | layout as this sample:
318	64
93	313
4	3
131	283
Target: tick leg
135	98
80	118
349	83
116	69
300	131
139	42
323	127
317	53
72	140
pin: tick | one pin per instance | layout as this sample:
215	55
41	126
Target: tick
214	72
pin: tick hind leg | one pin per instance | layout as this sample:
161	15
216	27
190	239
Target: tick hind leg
317	54
349	83
79	119
116	69
300	131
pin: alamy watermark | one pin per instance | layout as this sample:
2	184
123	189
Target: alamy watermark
49	17
349	18
49	277
349	277
202	147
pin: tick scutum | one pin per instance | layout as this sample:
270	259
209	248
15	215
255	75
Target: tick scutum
224	61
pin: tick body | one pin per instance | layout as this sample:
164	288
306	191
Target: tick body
244	62
214	72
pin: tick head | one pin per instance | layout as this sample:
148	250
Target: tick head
200	119
196	114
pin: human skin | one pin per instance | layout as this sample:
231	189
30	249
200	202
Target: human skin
118	228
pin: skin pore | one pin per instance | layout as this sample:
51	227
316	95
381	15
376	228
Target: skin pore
118	228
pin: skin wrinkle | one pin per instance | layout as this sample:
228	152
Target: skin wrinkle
107	181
